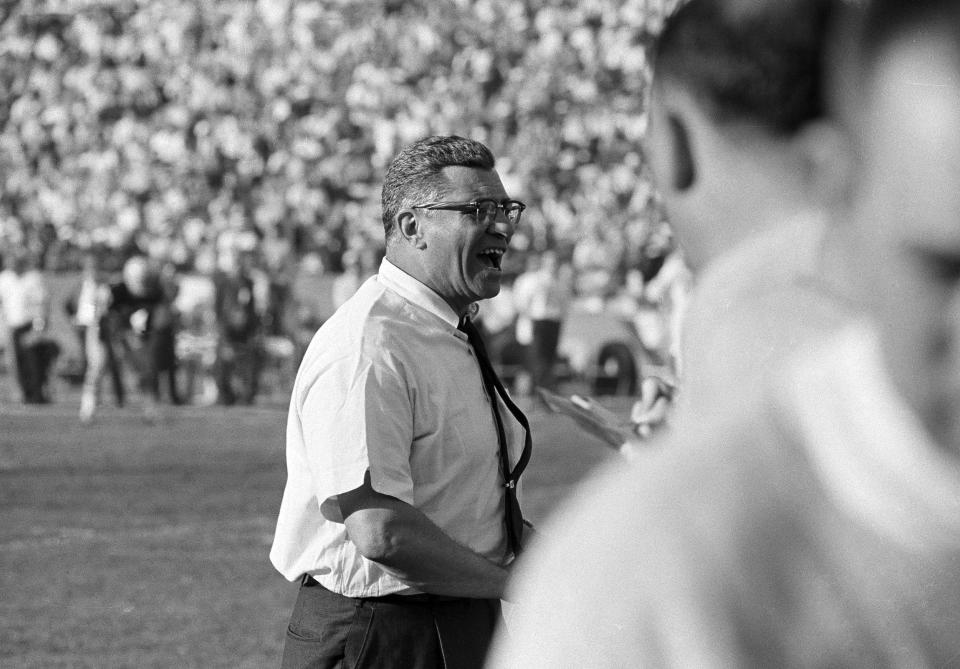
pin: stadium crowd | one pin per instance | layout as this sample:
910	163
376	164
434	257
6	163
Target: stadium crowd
191	132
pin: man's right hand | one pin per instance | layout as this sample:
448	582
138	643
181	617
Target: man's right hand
406	542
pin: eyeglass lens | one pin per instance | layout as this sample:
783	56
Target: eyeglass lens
487	211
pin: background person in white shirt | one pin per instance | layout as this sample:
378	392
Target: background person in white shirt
25	301
393	516
541	295
819	526
8	280
93	304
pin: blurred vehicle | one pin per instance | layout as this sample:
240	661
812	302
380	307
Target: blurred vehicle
599	349
606	351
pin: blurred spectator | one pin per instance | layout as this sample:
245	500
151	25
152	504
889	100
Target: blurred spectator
197	356
196	343
629	302
163	343
238	325
77	367
169	127
99	348
665	297
26	302
166	125
11	387
11	319
541	295
355	271
142	309
346	284
595	260
498	318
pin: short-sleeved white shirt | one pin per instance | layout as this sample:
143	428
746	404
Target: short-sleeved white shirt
389	385
13	300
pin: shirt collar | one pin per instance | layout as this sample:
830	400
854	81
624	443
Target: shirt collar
416	292
869	449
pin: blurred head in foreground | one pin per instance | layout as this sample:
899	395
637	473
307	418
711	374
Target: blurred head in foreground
736	140
901	108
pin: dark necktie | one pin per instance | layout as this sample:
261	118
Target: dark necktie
513	516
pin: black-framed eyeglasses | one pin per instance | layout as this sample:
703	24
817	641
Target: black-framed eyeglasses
484	210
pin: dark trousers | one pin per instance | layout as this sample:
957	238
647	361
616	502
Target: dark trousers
238	361
543	351
111	359
35	358
330	631
27	368
115	371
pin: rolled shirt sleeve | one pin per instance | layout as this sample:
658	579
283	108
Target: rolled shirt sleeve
348	429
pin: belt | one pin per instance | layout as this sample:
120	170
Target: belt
422	598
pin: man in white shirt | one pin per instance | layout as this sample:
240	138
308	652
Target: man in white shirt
9	280
541	295
820	524
25	302
399	516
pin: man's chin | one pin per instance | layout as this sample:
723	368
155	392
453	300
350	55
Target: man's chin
487	285
491	290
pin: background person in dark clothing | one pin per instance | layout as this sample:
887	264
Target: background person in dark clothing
142	313
238	326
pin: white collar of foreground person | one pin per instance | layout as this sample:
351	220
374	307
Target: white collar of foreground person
869	449
416	292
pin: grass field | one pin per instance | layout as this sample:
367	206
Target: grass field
132	545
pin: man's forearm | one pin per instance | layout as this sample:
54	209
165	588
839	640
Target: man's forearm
408	544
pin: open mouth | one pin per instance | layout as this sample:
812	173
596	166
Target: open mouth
491	257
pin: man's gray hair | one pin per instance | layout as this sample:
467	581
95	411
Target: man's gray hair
412	177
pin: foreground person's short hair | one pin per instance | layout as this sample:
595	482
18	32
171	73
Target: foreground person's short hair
759	61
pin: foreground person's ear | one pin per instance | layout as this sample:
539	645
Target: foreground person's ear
683	171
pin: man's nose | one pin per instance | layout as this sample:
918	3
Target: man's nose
501	225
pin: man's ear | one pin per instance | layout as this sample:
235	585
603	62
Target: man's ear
410	227
683	170
827	159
